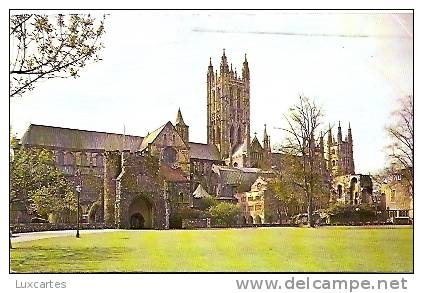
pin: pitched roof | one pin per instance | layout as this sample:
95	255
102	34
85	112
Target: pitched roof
68	138
171	174
241	177
152	136
200	192
256	145
204	151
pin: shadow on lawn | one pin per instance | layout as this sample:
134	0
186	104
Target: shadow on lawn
37	259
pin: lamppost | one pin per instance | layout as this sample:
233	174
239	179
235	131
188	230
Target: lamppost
78	193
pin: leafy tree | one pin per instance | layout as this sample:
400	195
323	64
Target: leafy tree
36	182
225	214
292	201
51	46
207	202
304	172
401	134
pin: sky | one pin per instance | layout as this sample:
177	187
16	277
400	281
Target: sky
354	65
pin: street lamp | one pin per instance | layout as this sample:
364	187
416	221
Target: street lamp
78	193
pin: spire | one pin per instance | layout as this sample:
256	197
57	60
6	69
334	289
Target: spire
329	136
349	133
179	119
224	63
339	133
245	69
266	140
210	73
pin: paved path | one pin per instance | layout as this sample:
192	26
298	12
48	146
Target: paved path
21	237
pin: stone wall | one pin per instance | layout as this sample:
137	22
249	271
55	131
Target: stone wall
196	223
112	169
140	180
36	227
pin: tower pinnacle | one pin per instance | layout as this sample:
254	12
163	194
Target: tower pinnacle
179	119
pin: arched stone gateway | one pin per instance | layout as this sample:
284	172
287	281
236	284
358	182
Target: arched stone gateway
140	214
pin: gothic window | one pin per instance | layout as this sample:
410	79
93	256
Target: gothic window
333	162
238	99
69	159
393	193
232	135
218	134
339	191
84	160
99	160
60	158
239	135
169	155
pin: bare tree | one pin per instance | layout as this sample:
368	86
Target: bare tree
51	46
306	175
401	134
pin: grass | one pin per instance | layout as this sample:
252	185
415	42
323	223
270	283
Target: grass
330	249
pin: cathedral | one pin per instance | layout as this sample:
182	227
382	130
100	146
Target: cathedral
138	182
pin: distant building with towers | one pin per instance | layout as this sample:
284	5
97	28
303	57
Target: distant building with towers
339	153
139	182
228	107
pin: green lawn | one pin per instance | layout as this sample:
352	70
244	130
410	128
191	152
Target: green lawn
340	249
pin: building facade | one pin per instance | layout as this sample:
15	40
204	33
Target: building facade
228	107
136	182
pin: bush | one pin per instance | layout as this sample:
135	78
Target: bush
184	212
225	214
206	203
341	213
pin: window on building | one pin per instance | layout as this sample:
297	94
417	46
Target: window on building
60	158
169	155
403	213
239	136
339	190
69	159
84	159
231	135
99	160
393	194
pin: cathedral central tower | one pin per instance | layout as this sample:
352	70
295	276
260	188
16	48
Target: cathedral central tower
228	107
